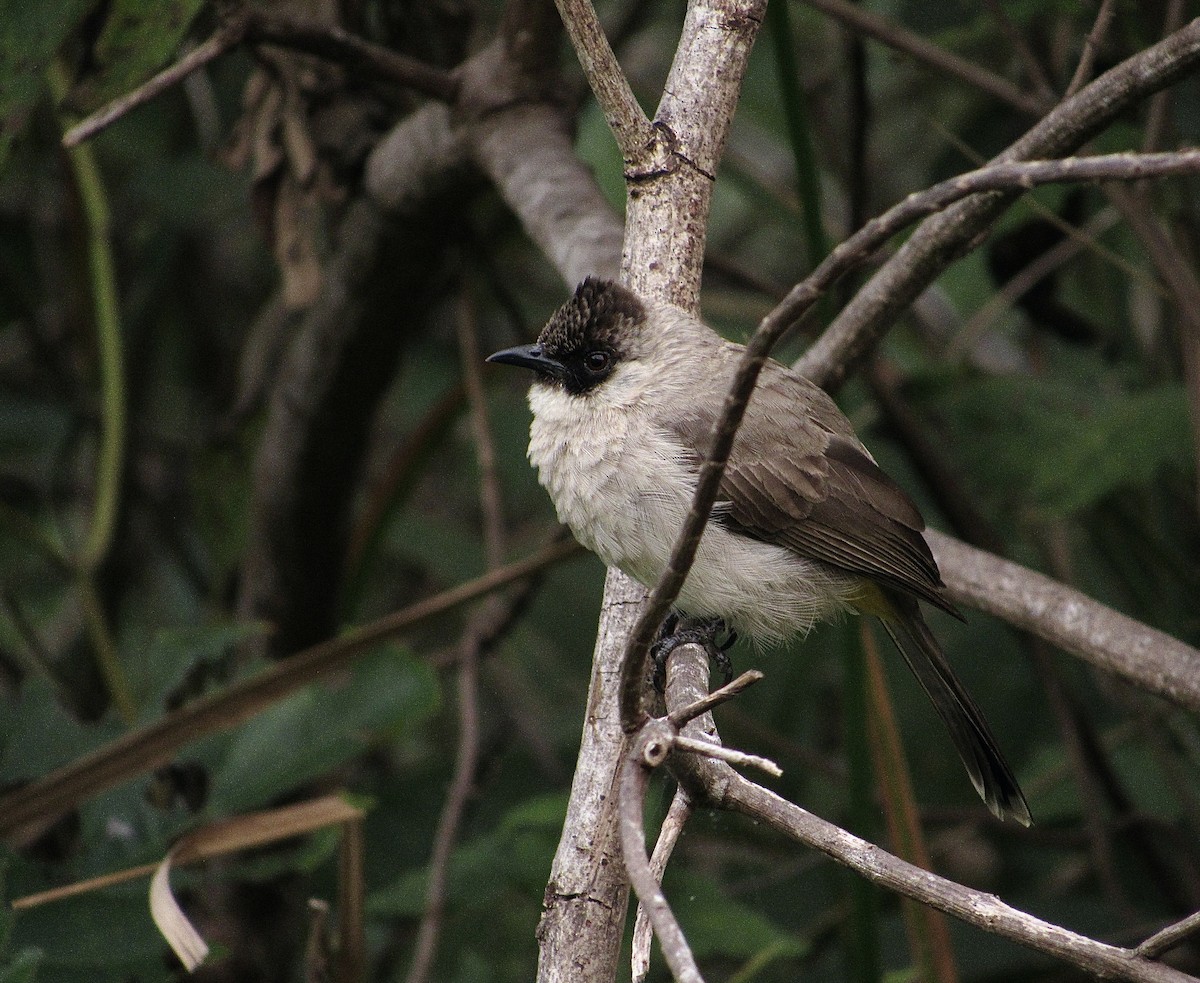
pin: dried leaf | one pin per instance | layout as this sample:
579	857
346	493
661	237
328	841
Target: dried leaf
230	836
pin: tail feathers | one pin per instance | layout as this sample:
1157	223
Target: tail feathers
989	772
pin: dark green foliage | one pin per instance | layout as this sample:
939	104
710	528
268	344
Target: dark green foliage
1077	456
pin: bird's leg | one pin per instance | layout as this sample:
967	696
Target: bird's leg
677	630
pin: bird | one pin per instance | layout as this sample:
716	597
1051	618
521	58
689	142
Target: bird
806	526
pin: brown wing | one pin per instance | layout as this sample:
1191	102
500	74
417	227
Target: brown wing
799	477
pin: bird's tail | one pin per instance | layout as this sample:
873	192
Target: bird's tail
989	772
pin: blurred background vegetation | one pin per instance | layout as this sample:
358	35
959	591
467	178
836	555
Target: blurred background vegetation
154	286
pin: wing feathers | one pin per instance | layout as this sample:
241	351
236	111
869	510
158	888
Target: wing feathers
798	477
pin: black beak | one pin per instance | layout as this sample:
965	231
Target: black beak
529	357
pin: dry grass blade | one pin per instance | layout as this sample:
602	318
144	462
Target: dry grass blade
219	839
23	809
928	932
230	836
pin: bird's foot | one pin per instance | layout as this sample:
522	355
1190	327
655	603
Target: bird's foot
704	632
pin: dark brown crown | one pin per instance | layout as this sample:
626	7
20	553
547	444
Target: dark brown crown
601	313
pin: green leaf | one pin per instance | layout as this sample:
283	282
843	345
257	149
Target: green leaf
318	728
159	666
30	35
514	858
106	935
716	925
38	735
138	37
1124	444
1057	447
22	967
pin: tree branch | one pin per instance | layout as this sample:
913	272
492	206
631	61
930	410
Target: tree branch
325	41
1061	615
632	130
943	239
985	911
141	750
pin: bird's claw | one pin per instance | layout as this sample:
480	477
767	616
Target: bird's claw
678	631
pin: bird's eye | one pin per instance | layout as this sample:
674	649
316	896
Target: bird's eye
597	361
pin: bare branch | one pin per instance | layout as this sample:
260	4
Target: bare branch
715	698
326	41
679	812
228	36
333	43
944	238
667	207
977	908
899	38
1169	937
467	755
1069	619
144	749
633	131
731	756
1038	268
652	738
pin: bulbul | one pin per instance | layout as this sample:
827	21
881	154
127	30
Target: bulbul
805	527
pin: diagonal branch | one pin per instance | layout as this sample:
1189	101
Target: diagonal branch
155	744
901	39
977	908
943	239
633	131
1149	659
323	40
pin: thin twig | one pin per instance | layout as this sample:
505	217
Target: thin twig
323	40
1030	276
1006	175
333	43
634	779
467	755
977	908
227	36
731	756
632	130
467	333
678	814
944	238
141	750
714	699
1091	47
1169	937
465	763
901	39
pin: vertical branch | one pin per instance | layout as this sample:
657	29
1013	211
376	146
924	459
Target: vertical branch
467	757
110	456
1091	45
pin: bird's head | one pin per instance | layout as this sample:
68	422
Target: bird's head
585	340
